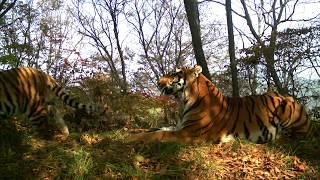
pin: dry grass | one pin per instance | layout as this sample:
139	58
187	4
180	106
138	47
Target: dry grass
108	155
104	153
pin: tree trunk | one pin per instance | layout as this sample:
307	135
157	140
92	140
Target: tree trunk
268	53
122	82
192	11
233	64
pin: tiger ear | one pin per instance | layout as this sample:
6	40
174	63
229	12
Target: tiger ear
178	70
197	70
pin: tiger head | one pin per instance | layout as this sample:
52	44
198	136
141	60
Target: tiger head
176	82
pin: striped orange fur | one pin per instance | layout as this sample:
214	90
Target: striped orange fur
28	91
209	116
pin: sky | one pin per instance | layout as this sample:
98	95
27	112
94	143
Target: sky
209	11
217	11
305	9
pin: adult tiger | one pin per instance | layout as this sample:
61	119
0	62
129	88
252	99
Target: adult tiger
209	116
29	92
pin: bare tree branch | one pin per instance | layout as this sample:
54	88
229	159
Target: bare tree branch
249	22
6	9
223	4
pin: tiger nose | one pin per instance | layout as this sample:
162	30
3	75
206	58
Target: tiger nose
159	85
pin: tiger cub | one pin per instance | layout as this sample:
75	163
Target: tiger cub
28	93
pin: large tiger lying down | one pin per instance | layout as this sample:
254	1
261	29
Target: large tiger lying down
209	116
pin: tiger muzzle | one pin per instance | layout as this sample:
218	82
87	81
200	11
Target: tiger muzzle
166	91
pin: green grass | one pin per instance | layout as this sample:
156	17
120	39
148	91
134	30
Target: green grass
107	155
77	163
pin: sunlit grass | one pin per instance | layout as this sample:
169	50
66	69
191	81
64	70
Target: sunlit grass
127	170
80	164
117	135
90	155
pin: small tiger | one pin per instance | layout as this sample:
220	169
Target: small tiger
209	116
29	92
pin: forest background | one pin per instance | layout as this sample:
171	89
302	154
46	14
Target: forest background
135	42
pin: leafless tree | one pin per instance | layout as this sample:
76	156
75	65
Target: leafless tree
160	27
233	65
274	14
191	7
102	26
6	6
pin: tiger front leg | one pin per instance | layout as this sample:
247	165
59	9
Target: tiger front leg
180	136
56	118
39	121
